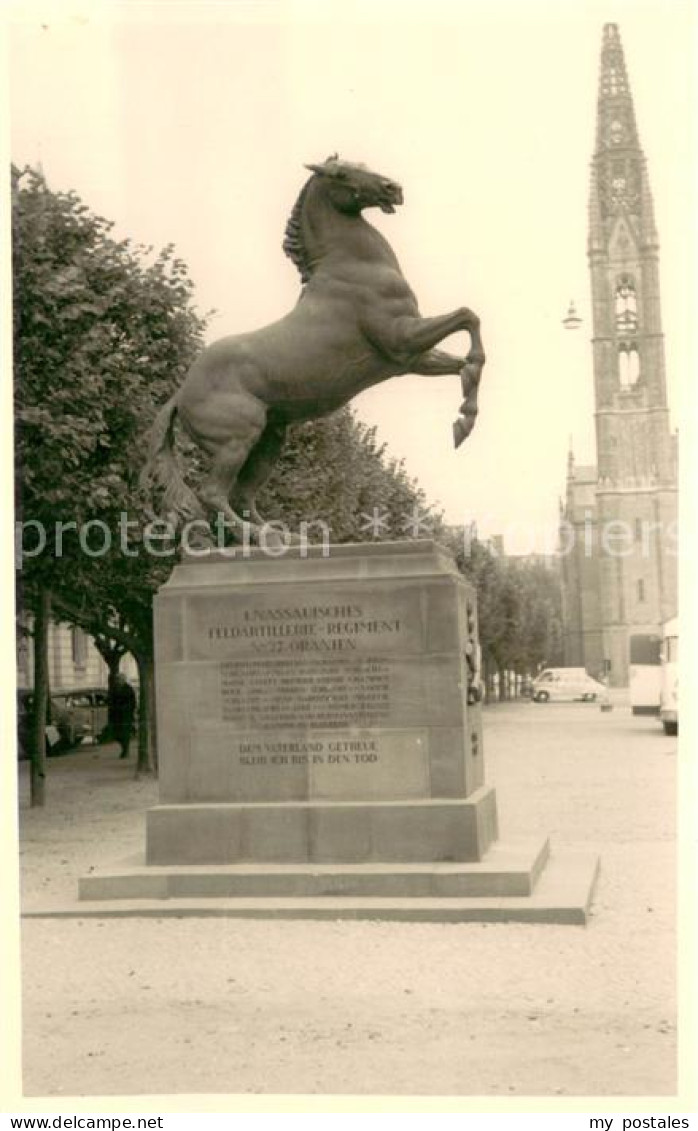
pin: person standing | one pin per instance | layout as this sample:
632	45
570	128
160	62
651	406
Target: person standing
123	710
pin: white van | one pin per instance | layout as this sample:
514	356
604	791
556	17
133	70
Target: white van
565	685
645	673
669	694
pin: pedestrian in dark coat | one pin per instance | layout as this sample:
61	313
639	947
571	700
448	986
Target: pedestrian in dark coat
122	711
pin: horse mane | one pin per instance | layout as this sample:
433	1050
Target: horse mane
293	245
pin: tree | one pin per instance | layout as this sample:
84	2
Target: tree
335	471
103	332
519	608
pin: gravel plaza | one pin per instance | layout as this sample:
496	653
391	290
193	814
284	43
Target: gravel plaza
225	1007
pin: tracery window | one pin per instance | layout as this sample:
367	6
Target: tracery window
626	305
616	132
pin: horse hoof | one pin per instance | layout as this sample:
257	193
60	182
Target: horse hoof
460	432
464	426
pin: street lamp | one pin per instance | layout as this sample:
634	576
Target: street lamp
572	321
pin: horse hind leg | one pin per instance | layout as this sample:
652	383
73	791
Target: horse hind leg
257	469
228	460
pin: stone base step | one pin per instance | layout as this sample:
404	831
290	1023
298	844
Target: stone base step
508	870
562	895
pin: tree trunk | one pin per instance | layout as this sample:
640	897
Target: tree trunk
487	679
146	761
113	661
502	685
38	731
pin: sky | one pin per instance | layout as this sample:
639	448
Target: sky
190	124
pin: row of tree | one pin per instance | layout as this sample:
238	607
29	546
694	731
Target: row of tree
104	331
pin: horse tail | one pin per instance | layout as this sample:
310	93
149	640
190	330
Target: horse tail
161	477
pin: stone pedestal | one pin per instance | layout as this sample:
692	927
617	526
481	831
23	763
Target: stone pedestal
321	750
315	709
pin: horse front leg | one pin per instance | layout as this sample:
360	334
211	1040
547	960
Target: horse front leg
404	338
435	362
470	381
438	363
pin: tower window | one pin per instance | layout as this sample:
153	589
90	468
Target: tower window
640	590
626	306
638	529
628	366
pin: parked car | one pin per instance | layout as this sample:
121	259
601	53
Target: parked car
560	685
25	719
81	713
71	716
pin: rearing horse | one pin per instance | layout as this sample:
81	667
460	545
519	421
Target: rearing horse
356	323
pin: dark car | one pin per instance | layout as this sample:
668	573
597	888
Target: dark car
25	721
81	713
71	716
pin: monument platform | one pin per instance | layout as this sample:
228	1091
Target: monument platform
321	750
559	890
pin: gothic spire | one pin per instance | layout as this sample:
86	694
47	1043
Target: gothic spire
615	120
619	184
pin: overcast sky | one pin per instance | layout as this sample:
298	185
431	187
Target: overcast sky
190	123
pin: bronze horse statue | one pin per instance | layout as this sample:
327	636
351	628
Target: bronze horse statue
356	323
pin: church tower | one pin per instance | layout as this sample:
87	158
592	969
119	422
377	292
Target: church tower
631	518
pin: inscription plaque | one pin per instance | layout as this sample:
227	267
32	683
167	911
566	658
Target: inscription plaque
315	764
343	689
350	622
306	693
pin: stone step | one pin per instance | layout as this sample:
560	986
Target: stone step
563	895
507	870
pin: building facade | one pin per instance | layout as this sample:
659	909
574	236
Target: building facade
618	530
74	661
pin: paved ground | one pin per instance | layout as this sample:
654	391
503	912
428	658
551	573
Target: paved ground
230	1006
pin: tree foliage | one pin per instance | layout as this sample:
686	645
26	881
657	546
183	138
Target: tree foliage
104	330
519	606
335	471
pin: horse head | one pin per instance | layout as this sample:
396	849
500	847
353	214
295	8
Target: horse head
352	188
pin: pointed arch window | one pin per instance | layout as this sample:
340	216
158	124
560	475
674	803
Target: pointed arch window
626	305
628	365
